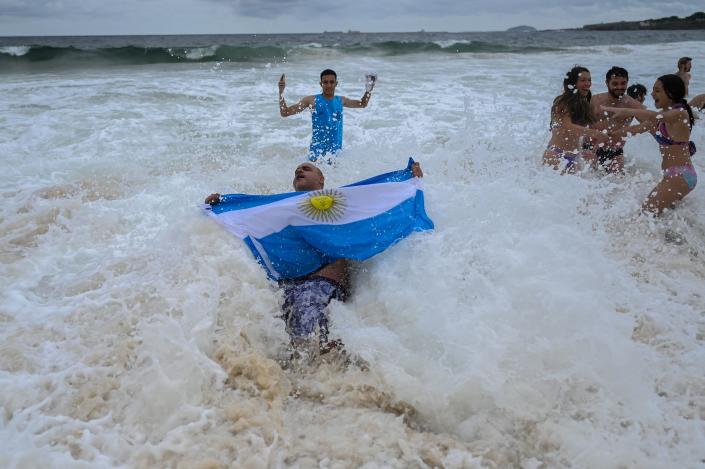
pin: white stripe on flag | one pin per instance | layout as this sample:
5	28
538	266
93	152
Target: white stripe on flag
361	202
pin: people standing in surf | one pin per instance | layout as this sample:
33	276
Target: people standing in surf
684	66
570	121
326	112
671	128
610	157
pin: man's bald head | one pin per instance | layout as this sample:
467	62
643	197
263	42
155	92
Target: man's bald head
307	177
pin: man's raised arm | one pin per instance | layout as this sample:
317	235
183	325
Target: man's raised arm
286	111
361	103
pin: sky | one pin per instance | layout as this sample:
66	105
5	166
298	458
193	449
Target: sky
101	17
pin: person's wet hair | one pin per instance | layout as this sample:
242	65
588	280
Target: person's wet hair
571	100
674	88
637	91
616	72
328	71
684	60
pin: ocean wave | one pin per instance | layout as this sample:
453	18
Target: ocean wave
193	53
15	50
418	47
451	42
24	55
70	55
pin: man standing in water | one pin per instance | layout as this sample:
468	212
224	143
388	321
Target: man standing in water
611	156
326	112
684	64
306	298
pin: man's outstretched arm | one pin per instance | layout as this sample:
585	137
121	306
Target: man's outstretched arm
360	103
286	111
698	101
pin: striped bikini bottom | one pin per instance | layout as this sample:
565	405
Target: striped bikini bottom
686	171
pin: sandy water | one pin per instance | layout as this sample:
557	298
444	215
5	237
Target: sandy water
542	323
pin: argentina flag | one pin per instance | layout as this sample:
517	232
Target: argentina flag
296	233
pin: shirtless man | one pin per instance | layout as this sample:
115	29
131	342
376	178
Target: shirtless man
326	112
611	155
684	64
306	298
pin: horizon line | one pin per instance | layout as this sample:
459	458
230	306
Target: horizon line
351	32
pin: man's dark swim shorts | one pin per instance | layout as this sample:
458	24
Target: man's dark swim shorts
305	303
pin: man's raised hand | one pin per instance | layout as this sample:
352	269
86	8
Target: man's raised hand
213	199
370	81
282	84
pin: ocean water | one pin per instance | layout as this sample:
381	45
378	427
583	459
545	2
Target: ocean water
542	324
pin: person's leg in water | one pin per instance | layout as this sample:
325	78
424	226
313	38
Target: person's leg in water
674	186
618	165
554	156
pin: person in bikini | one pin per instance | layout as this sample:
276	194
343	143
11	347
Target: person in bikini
326	112
611	156
570	123
671	128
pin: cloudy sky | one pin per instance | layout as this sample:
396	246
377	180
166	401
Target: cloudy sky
105	17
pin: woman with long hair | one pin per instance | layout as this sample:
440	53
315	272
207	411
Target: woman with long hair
570	120
671	128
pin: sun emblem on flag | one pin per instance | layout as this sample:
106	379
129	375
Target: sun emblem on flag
326	205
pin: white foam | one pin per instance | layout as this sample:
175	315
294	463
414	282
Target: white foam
15	50
193	53
541	323
451	42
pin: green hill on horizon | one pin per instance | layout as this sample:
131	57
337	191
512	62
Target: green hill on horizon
694	21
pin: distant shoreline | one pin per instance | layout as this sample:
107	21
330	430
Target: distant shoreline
694	21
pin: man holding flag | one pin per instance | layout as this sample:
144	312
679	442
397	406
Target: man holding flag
304	239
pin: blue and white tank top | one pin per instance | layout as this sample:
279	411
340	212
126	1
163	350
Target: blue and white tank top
327	124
